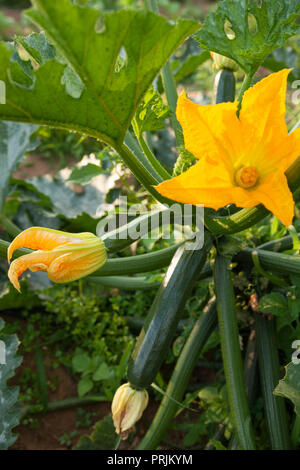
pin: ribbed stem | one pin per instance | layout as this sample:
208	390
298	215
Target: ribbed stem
231	353
180	378
278	262
9	226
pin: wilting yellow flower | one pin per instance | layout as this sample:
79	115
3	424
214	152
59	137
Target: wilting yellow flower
241	160
127	407
65	256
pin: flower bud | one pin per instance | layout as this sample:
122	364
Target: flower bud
222	62
127	408
64	256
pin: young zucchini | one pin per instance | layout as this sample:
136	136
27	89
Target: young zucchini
225	86
160	325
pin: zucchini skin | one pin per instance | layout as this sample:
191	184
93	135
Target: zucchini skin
225	86
161	323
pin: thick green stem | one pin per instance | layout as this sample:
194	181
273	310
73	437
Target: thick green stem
281	244
246	84
9	226
269	378
135	148
141	173
124	282
162	172
270	261
203	328
231	353
68	403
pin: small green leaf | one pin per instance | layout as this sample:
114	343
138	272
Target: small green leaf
85	174
274	303
289	387
84	386
247	31
103	372
218	445
152	112
81	362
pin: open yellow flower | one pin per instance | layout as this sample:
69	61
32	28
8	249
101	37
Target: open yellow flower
64	256
241	160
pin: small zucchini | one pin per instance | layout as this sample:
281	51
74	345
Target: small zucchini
163	317
225	86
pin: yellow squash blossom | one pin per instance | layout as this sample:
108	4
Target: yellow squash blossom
64	256
242	160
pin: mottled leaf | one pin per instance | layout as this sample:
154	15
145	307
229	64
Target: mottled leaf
137	42
289	387
248	30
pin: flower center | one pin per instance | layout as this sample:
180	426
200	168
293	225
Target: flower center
246	177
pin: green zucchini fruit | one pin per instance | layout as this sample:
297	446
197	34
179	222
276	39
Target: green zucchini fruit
161	323
225	86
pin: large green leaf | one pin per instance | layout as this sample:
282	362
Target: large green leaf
14	142
258	29
9	411
289	387
114	60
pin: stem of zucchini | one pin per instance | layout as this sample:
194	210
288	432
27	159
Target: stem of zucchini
203	328
9	226
269	377
232	354
161	171
135	148
278	262
246	84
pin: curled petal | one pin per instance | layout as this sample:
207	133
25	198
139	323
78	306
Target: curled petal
37	261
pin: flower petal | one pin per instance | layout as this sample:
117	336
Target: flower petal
39	238
276	196
207	128
76	264
37	261
263	108
203	183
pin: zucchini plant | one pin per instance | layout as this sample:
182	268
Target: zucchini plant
111	77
